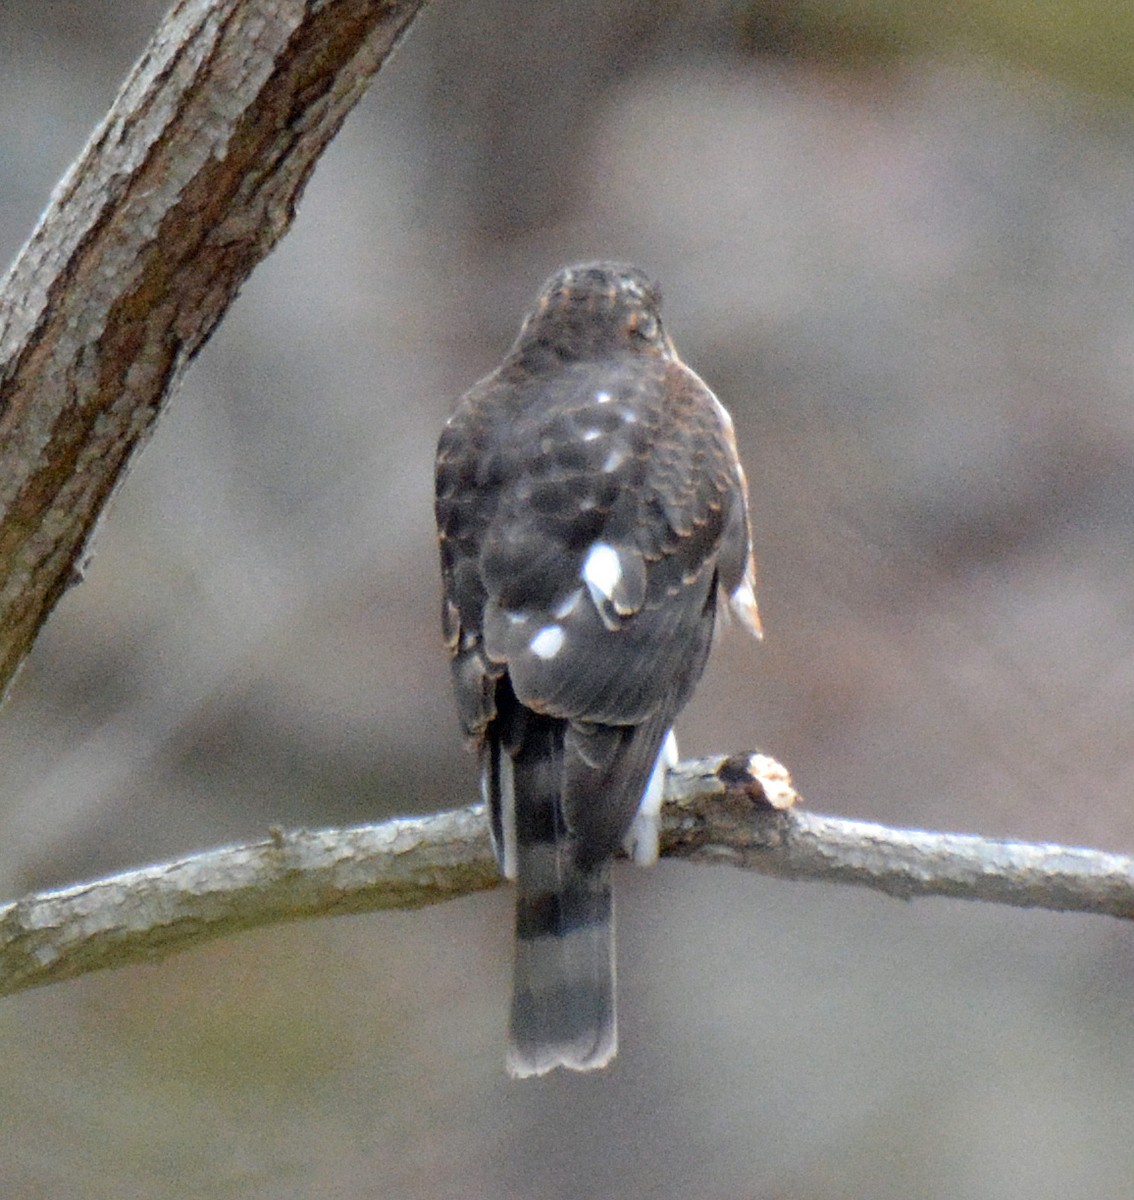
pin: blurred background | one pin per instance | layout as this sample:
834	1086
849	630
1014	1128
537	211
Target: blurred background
898	240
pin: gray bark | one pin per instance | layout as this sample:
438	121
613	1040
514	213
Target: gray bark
737	811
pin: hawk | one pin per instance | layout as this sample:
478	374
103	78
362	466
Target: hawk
591	508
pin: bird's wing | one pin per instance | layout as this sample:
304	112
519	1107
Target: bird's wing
584	533
620	504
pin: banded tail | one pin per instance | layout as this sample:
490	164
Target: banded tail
564	1012
563	986
563	990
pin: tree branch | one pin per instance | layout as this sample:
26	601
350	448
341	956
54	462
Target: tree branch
187	184
718	810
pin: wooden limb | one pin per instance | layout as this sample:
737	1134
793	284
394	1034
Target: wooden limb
187	184
737	811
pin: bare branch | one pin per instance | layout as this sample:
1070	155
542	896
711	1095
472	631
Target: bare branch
153	911
718	810
186	185
714	816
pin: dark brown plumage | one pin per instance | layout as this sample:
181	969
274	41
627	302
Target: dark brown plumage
590	505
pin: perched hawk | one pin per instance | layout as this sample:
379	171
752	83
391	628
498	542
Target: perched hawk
591	507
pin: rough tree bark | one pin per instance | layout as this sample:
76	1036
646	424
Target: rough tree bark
185	186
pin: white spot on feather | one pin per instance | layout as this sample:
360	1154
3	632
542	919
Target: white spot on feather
505	775
568	604
643	838
602	571
548	642
742	601
508	816
724	417
589	435
614	460
603	397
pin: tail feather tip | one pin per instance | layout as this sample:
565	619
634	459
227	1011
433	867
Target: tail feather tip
531	1061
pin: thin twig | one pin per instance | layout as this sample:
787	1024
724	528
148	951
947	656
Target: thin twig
735	810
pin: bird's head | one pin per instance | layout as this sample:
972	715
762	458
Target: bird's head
592	309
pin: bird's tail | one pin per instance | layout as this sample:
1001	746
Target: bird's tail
563	995
563	1012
